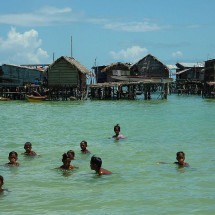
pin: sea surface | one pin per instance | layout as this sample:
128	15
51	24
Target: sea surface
155	130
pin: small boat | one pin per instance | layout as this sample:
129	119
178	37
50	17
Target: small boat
4	99
32	98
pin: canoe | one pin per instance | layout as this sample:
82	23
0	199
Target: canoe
31	98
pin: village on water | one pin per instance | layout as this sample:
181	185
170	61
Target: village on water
67	79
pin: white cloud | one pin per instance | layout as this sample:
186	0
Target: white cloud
133	26
53	10
131	54
49	15
177	54
44	17
23	47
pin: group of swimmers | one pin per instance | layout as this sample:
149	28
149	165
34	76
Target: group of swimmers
95	162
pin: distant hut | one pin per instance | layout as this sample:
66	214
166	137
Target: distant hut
116	69
16	76
101	77
209	78
189	77
189	71
149	67
67	72
209	71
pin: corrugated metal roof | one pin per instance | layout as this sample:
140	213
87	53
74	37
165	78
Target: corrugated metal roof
186	65
182	71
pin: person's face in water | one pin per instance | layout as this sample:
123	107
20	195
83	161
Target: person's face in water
71	156
27	148
93	166
67	162
12	158
180	158
83	146
116	130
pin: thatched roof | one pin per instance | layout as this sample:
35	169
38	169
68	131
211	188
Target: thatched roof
116	66
73	62
149	55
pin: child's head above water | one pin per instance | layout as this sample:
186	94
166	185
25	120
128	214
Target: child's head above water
83	145
180	157
13	157
117	128
28	146
71	154
95	162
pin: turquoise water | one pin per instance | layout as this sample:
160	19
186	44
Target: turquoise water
155	131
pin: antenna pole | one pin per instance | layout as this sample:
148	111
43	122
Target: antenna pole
71	46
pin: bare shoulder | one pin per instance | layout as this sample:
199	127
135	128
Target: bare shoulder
104	172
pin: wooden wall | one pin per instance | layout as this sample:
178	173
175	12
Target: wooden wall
63	73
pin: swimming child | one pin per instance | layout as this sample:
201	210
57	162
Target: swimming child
180	157
28	149
66	162
13	157
96	164
1	183
83	145
71	154
117	135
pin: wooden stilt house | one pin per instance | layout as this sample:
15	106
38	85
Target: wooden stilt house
209	78
149	67
67	72
115	71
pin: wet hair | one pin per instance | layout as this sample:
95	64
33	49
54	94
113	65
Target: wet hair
117	126
28	144
13	152
1	179
65	157
84	141
179	153
72	152
96	160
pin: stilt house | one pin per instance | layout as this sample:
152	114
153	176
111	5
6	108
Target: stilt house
209	78
101	77
116	71
149	67
209	71
67	72
190	71
15	75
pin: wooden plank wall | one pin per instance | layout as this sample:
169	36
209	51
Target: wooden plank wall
63	73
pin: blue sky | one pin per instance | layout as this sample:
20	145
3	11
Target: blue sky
106	31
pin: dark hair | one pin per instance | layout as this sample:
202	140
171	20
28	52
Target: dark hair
84	141
28	143
179	153
72	152
13	152
96	160
64	157
2	179
117	126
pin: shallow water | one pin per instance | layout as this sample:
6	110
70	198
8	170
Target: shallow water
155	131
